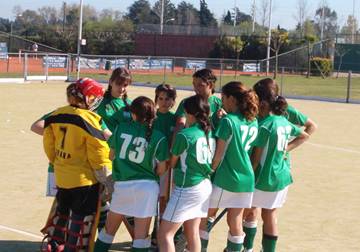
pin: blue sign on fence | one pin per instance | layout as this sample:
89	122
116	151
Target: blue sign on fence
195	64
55	61
3	50
146	64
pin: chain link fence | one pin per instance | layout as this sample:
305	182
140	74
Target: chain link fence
177	71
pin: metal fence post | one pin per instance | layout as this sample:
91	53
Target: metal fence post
164	78
282	81
221	73
348	87
68	58
46	68
25	66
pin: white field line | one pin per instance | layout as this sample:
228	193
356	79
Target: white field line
20	232
333	148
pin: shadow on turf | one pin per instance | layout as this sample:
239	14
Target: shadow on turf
31	246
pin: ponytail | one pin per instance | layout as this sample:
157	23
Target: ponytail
247	100
200	109
267	91
279	106
144	109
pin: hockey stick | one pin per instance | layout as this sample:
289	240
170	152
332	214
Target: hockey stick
49	220
181	244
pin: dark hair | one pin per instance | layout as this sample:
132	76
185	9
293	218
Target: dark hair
267	90
119	75
208	76
169	90
144	109
197	106
72	91
247	100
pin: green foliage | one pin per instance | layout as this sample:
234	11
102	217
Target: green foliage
227	47
321	66
206	16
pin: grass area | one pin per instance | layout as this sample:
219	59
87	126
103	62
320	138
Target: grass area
291	85
335	88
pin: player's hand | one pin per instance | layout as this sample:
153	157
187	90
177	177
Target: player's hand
220	113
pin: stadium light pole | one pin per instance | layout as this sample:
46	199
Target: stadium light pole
269	41
353	24
162	17
79	40
253	15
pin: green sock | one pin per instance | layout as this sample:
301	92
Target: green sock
101	246
269	243
250	231
234	243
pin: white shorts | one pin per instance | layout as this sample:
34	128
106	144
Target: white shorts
137	198
188	203
269	200
164	183
51	188
221	198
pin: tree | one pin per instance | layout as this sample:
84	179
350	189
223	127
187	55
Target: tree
279	37
264	12
330	22
169	10
301	15
240	17
227	47
350	28
206	16
140	12
187	14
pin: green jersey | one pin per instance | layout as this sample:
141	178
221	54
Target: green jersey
295	117
108	109
165	123
235	173
135	156
196	152
274	172
214	102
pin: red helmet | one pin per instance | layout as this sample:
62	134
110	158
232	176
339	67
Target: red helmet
90	91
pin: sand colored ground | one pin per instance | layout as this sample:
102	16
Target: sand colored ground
321	213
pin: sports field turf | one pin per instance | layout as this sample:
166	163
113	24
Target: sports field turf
321	213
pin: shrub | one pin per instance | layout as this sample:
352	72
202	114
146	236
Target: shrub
325	65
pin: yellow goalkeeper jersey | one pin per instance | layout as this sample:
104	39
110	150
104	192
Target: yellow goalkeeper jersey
74	143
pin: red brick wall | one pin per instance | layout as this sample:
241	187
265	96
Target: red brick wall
173	45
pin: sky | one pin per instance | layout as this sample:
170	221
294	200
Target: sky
283	11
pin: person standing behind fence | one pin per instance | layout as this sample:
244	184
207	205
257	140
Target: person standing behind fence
115	106
273	175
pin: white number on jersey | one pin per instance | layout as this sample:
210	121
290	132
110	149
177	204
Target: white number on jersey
205	153
245	132
137	155
283	134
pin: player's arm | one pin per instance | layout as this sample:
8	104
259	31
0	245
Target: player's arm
38	127
180	124
219	153
161	168
310	126
300	139
49	143
173	161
